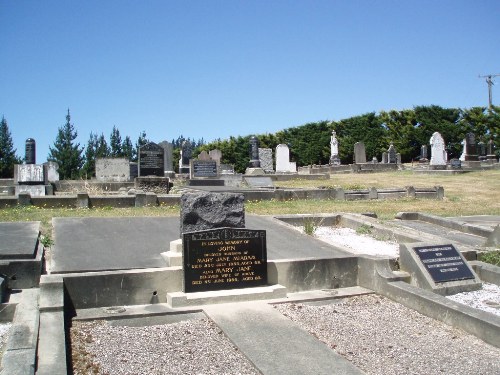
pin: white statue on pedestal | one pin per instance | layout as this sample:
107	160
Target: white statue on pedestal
334	144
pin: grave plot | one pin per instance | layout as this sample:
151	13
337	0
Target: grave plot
486	299
355	242
380	336
192	346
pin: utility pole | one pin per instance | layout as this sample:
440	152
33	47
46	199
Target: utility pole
489	81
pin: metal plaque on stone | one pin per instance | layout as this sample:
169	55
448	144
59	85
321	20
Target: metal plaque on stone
225	258
151	160
444	263
204	168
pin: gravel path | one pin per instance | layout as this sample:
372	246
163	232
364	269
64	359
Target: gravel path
487	298
187	347
382	337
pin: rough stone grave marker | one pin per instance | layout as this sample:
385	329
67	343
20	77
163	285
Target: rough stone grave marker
226	258
438	267
151	159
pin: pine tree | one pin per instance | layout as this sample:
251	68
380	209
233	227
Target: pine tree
101	149
67	153
7	152
128	148
88	169
115	142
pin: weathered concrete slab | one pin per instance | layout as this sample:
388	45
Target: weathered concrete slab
266	337
100	244
19	240
91	244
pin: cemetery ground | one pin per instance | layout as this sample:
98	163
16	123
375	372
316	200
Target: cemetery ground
364	333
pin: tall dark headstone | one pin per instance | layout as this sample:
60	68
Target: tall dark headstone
151	160
30	151
254	153
168	151
391	154
470	147
186	154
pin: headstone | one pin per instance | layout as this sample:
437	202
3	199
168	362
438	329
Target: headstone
151	159
254	153
225	258
470	147
359	153
385	158
423	153
455	164
204	156
491	150
266	159
186	153
334	149
29	174
216	155
391	151
398	158
52	171
464	150
481	150
283	163
30	151
438	267
204	168
112	169
168	149
203	210
226	169
259	182
374	160
438	150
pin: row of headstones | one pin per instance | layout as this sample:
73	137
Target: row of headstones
389	157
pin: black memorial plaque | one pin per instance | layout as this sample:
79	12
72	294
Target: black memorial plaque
204	168
444	263
225	258
151	159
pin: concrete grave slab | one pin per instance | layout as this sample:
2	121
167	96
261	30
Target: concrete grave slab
19	240
98	244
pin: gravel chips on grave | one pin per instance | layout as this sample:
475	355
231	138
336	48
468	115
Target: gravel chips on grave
487	298
187	347
382	337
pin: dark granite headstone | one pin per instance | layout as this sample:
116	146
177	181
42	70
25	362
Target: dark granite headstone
225	258
470	147
151	159
444	263
30	151
254	153
204	168
391	153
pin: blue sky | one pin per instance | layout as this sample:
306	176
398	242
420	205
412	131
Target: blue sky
211	69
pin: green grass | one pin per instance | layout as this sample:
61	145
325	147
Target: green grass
474	193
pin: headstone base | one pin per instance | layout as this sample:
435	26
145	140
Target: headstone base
32	190
437	167
335	160
255	172
184	170
181	299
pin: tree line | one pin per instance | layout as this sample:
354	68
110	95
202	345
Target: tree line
407	129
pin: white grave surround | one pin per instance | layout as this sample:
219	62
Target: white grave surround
283	164
438	150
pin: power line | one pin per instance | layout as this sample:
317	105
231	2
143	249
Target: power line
489	81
